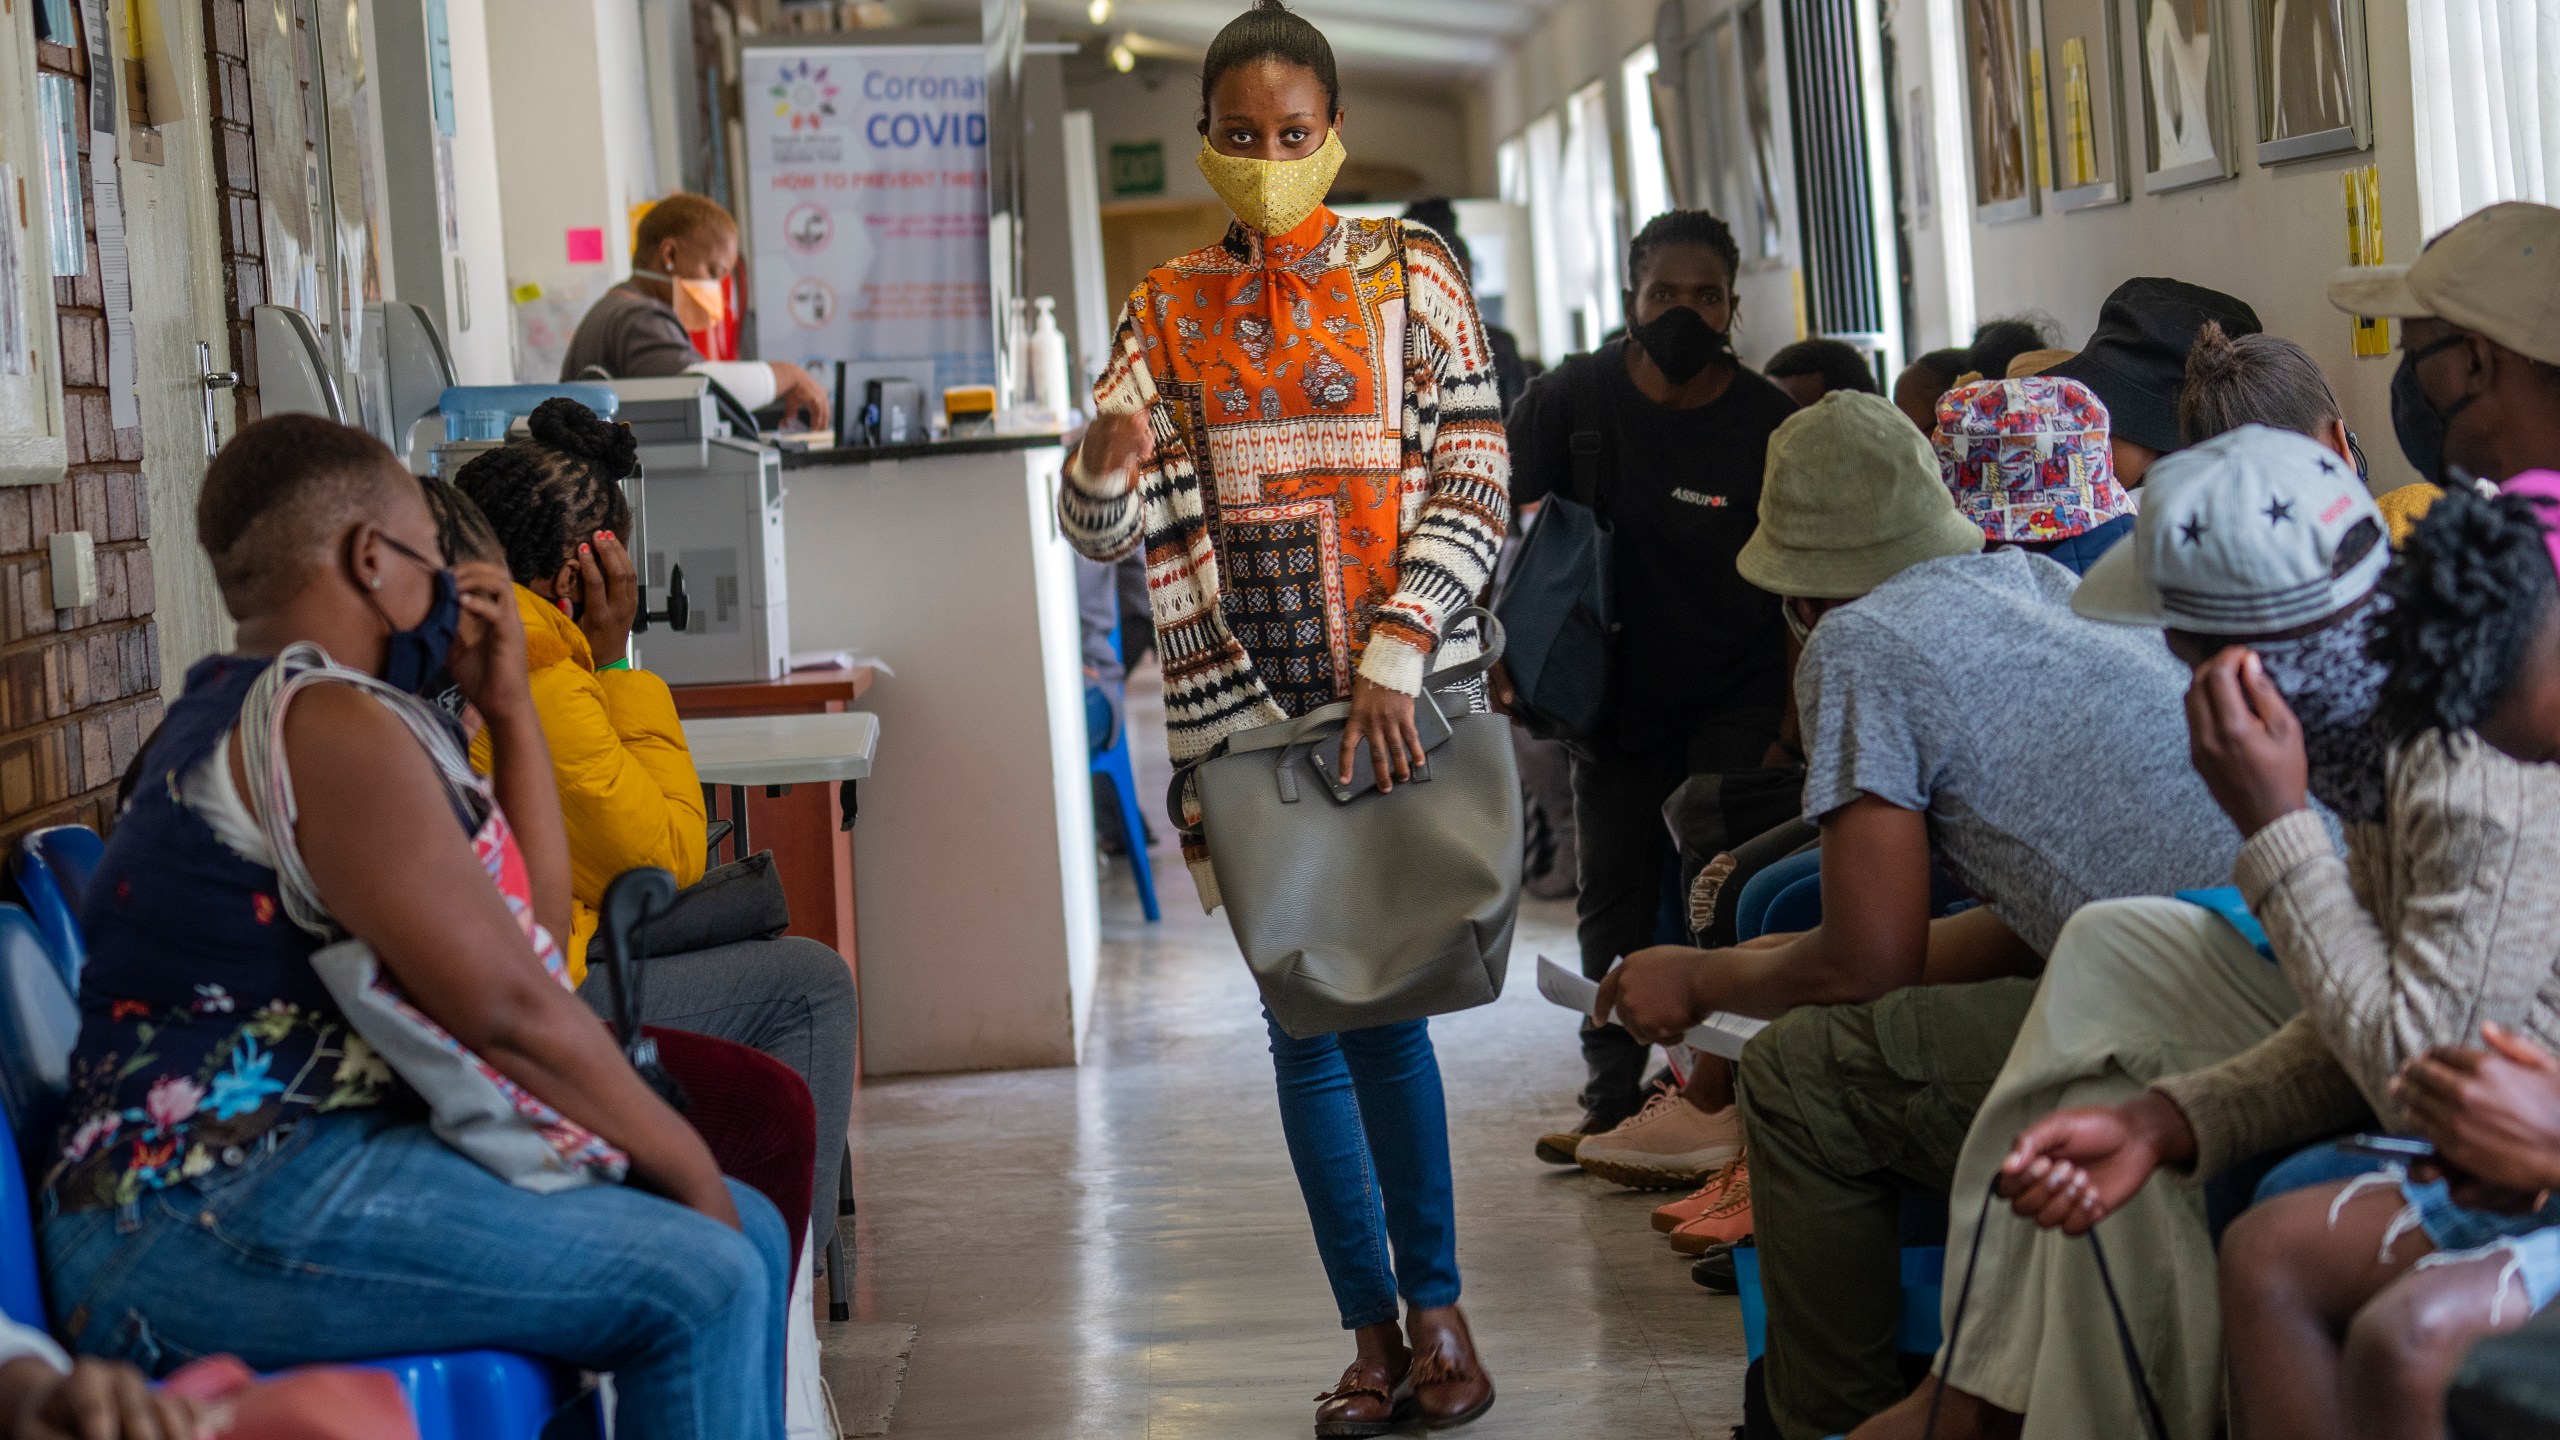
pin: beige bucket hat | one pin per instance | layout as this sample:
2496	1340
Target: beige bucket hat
1851	499
2496	274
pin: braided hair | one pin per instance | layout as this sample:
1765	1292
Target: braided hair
546	495
462	532
1270	31
2468	594
1683	227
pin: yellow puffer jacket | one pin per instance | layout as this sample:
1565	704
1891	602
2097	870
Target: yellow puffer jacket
628	792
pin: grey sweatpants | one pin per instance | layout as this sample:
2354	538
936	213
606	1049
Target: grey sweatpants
790	998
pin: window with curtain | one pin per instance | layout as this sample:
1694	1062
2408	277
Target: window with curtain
1587	228
1541	176
2487	77
1648	177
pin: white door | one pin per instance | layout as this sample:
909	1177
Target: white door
176	249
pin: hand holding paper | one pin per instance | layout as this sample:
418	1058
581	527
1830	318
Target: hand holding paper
1719	1034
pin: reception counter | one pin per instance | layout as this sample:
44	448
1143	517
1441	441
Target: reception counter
976	908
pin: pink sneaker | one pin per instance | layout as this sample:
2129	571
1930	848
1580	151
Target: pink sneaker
1669	1145
1726	1221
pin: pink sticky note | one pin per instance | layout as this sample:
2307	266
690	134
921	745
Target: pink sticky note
586	247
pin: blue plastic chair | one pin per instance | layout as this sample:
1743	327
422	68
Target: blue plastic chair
1923	1278
52	869
39	1022
463	1395
1112	764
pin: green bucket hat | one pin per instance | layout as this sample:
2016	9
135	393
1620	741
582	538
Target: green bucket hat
1851	499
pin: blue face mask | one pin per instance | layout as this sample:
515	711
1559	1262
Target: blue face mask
414	657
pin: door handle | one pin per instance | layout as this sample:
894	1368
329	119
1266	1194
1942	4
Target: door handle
212	380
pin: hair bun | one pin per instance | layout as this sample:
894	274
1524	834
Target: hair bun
2213	355
609	445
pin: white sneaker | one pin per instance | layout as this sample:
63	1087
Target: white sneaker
1668	1145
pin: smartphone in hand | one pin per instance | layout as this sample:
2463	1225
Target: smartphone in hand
1326	757
2392	1147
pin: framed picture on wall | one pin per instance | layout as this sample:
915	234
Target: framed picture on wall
1996	109
2185	105
1733	143
1758	164
2084	85
2314	97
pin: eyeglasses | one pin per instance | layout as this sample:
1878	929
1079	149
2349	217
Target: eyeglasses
386	537
2424	353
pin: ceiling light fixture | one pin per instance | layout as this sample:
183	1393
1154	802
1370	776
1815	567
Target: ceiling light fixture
1099	12
1123	59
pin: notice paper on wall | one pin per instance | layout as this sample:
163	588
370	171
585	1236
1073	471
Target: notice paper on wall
867	206
1719	1034
13	292
115	269
66	213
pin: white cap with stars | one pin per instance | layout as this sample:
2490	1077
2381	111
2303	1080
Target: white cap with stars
2252	532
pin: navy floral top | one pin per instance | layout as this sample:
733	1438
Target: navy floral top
204	1029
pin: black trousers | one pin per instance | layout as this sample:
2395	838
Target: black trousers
1626	855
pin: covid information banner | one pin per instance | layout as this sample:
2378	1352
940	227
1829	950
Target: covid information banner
867	176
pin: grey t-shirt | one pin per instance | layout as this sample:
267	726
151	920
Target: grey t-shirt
633	336
2048	751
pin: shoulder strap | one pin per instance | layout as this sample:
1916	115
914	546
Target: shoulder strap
1588	416
262	756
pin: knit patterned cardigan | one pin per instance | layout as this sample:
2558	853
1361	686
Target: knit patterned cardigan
1452	478
2443	916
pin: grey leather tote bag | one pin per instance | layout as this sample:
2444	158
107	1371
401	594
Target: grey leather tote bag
1385	907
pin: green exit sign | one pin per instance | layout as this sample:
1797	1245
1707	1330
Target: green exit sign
1137	167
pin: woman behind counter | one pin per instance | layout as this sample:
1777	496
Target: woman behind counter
1300	426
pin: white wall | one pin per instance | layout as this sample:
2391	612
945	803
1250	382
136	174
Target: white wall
484	351
1421	128
2270	237
568	88
1579	41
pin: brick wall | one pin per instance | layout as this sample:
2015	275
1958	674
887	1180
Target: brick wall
79	689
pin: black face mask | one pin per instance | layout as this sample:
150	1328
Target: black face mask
1681	343
2415	419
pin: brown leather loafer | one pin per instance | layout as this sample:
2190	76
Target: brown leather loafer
1373	1397
1450	1387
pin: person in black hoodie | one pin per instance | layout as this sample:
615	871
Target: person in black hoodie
1698	666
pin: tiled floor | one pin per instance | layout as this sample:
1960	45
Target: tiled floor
1118	1250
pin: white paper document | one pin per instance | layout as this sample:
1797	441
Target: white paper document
115	274
1719	1034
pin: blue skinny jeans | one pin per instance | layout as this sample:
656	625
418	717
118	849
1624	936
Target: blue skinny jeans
362	1236
1368	1134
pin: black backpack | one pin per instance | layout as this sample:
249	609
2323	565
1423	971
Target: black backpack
1557	605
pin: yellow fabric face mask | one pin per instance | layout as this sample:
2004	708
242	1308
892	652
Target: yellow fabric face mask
1273	196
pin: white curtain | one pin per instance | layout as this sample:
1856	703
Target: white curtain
1544	174
2487	76
1589	223
1648	178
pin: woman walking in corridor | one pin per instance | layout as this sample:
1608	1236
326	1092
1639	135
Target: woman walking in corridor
1300	426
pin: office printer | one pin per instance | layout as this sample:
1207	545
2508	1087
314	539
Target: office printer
715	513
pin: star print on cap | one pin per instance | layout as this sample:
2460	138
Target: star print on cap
2252	532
